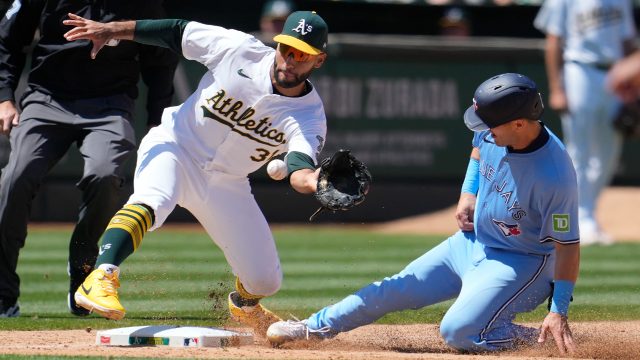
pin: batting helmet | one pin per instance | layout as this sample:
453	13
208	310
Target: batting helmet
501	99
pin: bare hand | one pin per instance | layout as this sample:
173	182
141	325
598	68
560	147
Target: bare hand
85	29
624	78
558	326
465	210
9	116
558	101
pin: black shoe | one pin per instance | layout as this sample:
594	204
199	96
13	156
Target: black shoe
9	308
75	281
75	309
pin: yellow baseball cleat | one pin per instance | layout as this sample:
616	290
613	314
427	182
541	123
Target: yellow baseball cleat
257	317
99	294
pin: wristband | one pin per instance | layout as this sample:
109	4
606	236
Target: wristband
562	290
472	178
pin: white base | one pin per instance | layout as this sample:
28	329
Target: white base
173	336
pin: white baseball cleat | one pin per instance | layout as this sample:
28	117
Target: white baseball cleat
592	234
595	238
290	330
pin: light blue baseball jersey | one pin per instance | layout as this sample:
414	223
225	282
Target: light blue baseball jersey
593	30
526	201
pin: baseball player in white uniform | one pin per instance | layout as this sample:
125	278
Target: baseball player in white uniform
517	244
252	104
584	39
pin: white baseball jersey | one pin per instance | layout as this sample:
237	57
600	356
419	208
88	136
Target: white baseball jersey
593	30
233	122
594	33
200	155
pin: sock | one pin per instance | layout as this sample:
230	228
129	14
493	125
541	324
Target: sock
124	234
244	297
109	269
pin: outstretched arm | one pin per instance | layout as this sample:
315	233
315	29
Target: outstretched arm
99	33
305	181
556	322
163	32
304	175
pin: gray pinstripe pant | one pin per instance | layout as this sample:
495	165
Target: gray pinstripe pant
102	131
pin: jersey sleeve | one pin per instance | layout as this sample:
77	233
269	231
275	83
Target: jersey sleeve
309	137
17	28
297	161
207	44
559	212
552	17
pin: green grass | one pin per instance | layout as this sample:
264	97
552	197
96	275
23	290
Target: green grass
183	278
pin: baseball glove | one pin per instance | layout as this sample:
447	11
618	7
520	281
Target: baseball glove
343	182
628	120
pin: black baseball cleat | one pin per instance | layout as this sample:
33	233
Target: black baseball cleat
74	308
9	308
75	281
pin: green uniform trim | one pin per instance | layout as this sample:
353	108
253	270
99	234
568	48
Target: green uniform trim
121	246
124	233
298	161
164	33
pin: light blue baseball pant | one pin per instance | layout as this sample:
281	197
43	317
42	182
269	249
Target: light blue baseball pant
492	286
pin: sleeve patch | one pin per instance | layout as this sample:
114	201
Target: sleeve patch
560	222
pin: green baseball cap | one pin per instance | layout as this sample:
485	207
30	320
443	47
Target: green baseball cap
305	31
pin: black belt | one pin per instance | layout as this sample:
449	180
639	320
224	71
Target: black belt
599	66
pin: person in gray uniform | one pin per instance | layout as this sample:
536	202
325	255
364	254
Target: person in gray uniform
71	99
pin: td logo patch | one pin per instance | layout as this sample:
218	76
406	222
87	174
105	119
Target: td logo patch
560	222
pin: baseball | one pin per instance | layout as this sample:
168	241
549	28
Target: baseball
277	169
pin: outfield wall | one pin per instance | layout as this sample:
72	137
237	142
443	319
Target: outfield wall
397	102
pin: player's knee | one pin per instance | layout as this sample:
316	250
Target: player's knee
105	182
263	284
23	180
459	335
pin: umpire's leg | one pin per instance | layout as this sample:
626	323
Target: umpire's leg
108	143
36	145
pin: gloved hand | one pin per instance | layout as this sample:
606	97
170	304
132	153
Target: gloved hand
343	182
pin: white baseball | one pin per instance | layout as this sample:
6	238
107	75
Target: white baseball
277	169
112	42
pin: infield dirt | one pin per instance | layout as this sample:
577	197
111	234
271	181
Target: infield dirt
596	340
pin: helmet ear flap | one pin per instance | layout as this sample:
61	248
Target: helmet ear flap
537	108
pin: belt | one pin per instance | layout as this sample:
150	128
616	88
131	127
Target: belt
599	66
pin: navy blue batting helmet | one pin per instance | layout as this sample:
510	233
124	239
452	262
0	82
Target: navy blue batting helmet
501	99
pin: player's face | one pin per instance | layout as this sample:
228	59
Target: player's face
292	66
515	134
502	134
